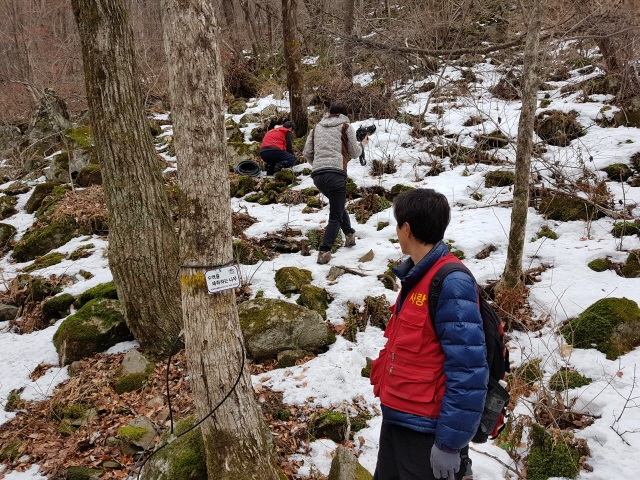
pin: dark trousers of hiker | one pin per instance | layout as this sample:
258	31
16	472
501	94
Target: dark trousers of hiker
404	455
333	185
274	156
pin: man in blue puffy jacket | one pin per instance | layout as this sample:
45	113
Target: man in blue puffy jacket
431	376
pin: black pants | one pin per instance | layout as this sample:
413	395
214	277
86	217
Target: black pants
275	156
333	185
404	455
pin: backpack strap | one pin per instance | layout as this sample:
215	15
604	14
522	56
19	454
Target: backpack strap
345	148
436	285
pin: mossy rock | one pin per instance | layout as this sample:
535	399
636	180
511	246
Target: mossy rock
314	202
345	466
48	204
558	128
81	136
315	298
271	326
131	382
246	254
631	268
16	188
11	450
499	178
610	325
285	176
618	172
82	251
551	457
599	265
629	114
565	208
328	424
40	242
45	261
40	192
566	380
529	372
104	290
489	141
240	185
621	229
7	232
97	326
7	206
292	279
89	175
82	473
288	358
237	107
546	232
182	459
58	306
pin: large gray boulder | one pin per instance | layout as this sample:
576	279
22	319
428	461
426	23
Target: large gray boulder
271	326
345	466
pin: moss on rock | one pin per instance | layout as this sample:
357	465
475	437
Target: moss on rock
182	459
89	175
81	252
567	379
82	473
599	265
631	268
551	456
529	372
42	241
7	232
58	306
611	325
618	172
546	232
131	382
40	192
247	254
329	424
315	298
104	290
49	202
558	128
47	260
292	279
240	185
499	178
94	328
7	206
565	208
621	229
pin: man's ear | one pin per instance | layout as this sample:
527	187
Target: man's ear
407	229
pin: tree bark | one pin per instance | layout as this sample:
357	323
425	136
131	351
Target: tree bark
347	70
293	59
143	247
512	277
238	444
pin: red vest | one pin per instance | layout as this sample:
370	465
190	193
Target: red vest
408	374
276	137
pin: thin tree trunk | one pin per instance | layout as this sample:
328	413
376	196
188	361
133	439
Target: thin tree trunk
512	277
237	442
143	247
347	70
293	59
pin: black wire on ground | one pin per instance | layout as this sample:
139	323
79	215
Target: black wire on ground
235	384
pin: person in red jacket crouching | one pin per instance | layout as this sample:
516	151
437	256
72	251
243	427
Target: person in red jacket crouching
276	148
431	376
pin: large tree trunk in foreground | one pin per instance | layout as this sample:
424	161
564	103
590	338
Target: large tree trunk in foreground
143	247
512	277
293	59
238	444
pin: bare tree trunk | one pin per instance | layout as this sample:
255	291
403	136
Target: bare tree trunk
238	444
143	247
512	277
293	59
349	7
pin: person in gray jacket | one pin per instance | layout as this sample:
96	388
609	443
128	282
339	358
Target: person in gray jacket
329	147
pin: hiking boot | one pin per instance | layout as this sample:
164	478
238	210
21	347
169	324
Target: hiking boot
270	169
350	240
279	166
324	257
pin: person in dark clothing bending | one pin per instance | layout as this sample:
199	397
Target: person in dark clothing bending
276	148
329	147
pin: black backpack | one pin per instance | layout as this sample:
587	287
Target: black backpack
495	404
